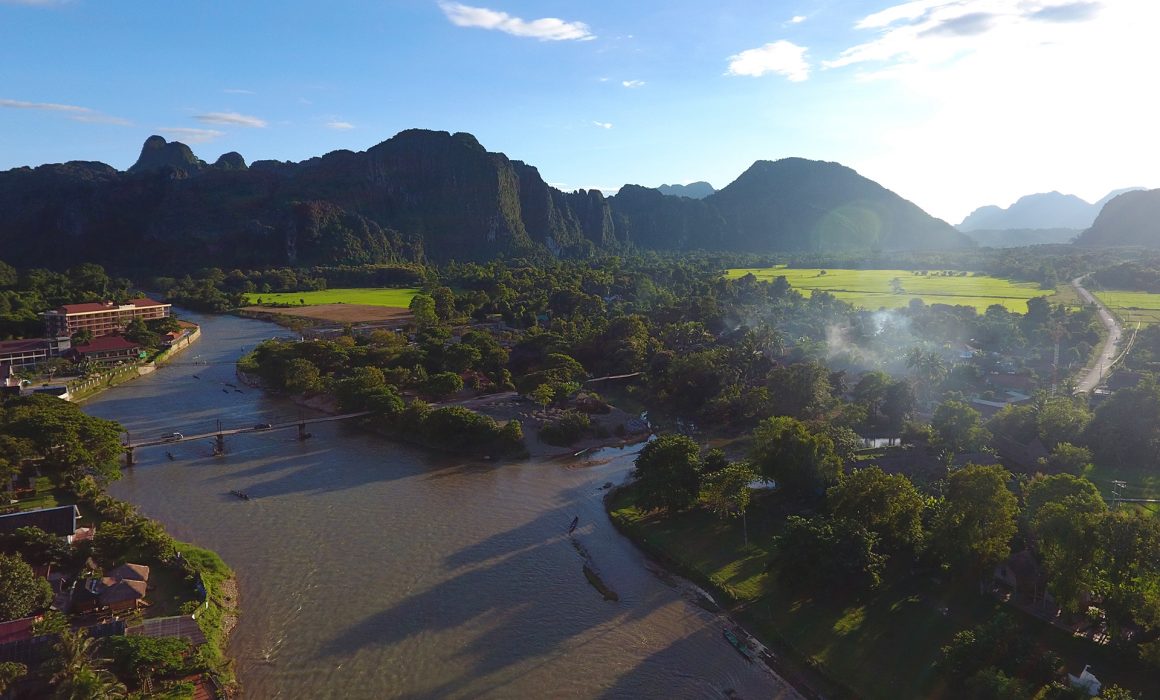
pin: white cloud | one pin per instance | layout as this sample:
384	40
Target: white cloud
603	125
192	135
74	112
797	19
1044	101
782	57
934	31
339	126
231	119
237	91
632	83
546	29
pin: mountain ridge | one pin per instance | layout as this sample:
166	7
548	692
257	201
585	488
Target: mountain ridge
1043	210
423	195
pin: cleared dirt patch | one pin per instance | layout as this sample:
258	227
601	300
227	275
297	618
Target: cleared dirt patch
336	313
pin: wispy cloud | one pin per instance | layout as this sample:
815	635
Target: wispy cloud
74	112
238	91
797	19
603	125
632	83
339	126
231	119
546	29
934	31
781	57
192	135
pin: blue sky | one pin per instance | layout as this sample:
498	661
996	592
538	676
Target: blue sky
951	103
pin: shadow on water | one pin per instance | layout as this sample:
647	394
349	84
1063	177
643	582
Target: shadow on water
501	585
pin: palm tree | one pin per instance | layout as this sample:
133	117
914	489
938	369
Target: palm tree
929	369
75	671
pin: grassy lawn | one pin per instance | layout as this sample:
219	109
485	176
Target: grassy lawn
884	645
371	296
1132	306
47	496
872	289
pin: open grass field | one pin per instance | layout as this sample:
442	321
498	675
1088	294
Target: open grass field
367	296
874	289
1131	307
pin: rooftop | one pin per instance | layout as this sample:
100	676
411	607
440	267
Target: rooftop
94	306
60	521
105	343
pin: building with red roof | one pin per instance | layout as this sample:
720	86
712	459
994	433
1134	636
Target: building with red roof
107	349
101	317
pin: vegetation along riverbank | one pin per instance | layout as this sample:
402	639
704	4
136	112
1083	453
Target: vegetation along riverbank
96	597
821	546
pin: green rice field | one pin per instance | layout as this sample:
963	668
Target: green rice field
371	296
1132	307
874	289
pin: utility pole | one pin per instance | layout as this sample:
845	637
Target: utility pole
219	447
1117	492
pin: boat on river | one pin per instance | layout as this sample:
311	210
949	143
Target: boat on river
742	647
240	494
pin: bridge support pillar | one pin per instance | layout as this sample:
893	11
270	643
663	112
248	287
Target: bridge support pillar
128	456
219	447
302	434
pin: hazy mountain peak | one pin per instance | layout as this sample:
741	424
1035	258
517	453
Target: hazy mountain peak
1043	210
693	190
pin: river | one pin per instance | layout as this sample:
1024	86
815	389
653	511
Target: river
371	570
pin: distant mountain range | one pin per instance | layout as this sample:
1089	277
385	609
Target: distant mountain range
1131	219
422	195
693	190
1047	210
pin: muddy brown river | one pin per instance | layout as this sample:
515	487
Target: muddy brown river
368	569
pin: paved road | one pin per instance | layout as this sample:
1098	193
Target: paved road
1089	378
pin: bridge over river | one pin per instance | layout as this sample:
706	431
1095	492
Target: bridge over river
221	433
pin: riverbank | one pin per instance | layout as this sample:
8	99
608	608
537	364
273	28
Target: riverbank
81	390
722	593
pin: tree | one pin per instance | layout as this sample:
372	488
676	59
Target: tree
423	309
1062	419
957	428
1067	458
727	492
135	657
668	473
1129	579
443	384
10	672
22	592
302	376
929	370
886	504
1063	513
785	451
828	554
974	523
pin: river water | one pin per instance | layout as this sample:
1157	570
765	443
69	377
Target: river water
371	570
